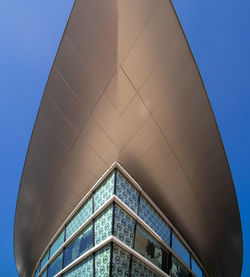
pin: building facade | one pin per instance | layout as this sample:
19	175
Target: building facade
124	87
117	230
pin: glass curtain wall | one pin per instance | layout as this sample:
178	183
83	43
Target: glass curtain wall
112	260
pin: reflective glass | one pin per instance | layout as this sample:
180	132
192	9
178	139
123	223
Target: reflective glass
180	250
154	221
84	269
102	262
140	269
124	226
44	260
120	262
55	266
80	245
57	244
104	192
82	215
178	270
148	247
44	274
103	225
126	192
196	269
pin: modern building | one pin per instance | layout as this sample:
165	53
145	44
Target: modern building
126	173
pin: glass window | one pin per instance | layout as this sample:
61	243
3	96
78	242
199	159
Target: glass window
148	247
120	262
196	269
84	269
124	226
44	274
103	225
178	270
82	215
140	269
44	260
55	266
104	192
180	250
80	245
57	244
126	192
154	221
102	262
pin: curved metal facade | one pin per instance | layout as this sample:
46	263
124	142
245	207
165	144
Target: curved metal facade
124	86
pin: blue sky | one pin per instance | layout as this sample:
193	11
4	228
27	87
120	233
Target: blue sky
219	36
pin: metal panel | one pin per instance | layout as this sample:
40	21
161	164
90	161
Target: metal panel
124	86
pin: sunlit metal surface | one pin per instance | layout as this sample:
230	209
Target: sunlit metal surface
124	86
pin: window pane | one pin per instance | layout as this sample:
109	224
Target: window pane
102	262
180	250
124	226
44	274
44	260
126	192
80	245
84	269
103	225
140	269
57	244
120	262
178	270
196	269
148	247
55	266
104	192
154	221
82	215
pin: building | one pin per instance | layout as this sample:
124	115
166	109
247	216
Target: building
125	94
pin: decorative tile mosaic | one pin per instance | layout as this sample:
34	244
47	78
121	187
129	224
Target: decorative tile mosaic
104	192
103	225
120	262
44	260
124	226
85	212
57	244
139	269
84	269
55	266
196	269
102	262
150	217
126	192
180	250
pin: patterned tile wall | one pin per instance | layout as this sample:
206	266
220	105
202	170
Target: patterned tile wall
149	216
124	226
126	192
196	269
180	250
139	269
56	245
102	262
104	192
103	225
84	269
120	262
81	217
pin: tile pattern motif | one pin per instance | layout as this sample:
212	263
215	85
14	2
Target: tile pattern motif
83	269
102	262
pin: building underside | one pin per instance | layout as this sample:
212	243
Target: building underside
124	87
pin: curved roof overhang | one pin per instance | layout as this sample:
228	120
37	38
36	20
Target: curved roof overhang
124	86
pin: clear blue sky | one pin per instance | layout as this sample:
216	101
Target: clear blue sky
30	31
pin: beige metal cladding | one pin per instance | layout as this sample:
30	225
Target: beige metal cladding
124	86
